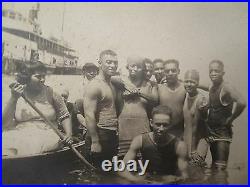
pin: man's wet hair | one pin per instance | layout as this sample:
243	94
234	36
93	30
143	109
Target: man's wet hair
158	60
219	62
161	109
141	64
89	65
193	74
147	61
107	52
172	61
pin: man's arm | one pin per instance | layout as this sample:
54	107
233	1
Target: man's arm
203	86
90	108
200	117
240	102
10	109
131	155
152	97
9	114
181	151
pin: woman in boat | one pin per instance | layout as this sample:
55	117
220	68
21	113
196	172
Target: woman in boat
136	96
25	132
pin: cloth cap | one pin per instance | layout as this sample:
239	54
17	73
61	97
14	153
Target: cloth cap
192	75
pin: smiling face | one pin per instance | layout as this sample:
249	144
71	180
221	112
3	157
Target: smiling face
190	86
216	72
191	81
109	64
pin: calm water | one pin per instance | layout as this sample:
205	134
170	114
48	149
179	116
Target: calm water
77	174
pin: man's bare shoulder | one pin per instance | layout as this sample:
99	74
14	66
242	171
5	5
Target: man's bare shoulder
202	101
94	87
227	87
181	85
136	142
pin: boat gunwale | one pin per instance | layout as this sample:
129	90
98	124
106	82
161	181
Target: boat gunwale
66	148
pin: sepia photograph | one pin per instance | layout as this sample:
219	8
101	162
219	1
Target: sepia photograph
124	93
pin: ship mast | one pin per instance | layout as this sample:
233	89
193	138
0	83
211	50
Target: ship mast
62	31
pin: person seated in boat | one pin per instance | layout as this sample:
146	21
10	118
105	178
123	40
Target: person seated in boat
78	121
79	116
165	153
24	130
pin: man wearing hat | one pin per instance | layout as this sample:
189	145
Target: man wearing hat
194	111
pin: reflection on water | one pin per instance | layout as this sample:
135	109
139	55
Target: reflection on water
76	173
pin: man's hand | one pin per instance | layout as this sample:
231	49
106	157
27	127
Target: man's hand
96	147
131	92
17	90
196	159
67	140
228	122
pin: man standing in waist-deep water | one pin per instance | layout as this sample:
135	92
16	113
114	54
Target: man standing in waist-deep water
165	153
195	114
222	97
172	94
100	112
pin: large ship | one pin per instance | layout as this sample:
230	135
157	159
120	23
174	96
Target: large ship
23	42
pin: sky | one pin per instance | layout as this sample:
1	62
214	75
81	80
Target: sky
193	33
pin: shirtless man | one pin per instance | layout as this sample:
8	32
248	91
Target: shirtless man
165	153
89	71
195	110
158	70
100	112
172	94
149	71
222	97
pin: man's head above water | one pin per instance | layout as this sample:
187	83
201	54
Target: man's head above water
161	120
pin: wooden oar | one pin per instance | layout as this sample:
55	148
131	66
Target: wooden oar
57	131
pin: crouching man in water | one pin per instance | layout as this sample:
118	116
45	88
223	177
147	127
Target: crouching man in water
100	112
166	154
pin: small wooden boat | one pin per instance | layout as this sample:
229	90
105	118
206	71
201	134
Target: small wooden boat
34	168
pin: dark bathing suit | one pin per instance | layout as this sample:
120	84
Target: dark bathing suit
162	160
220	136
